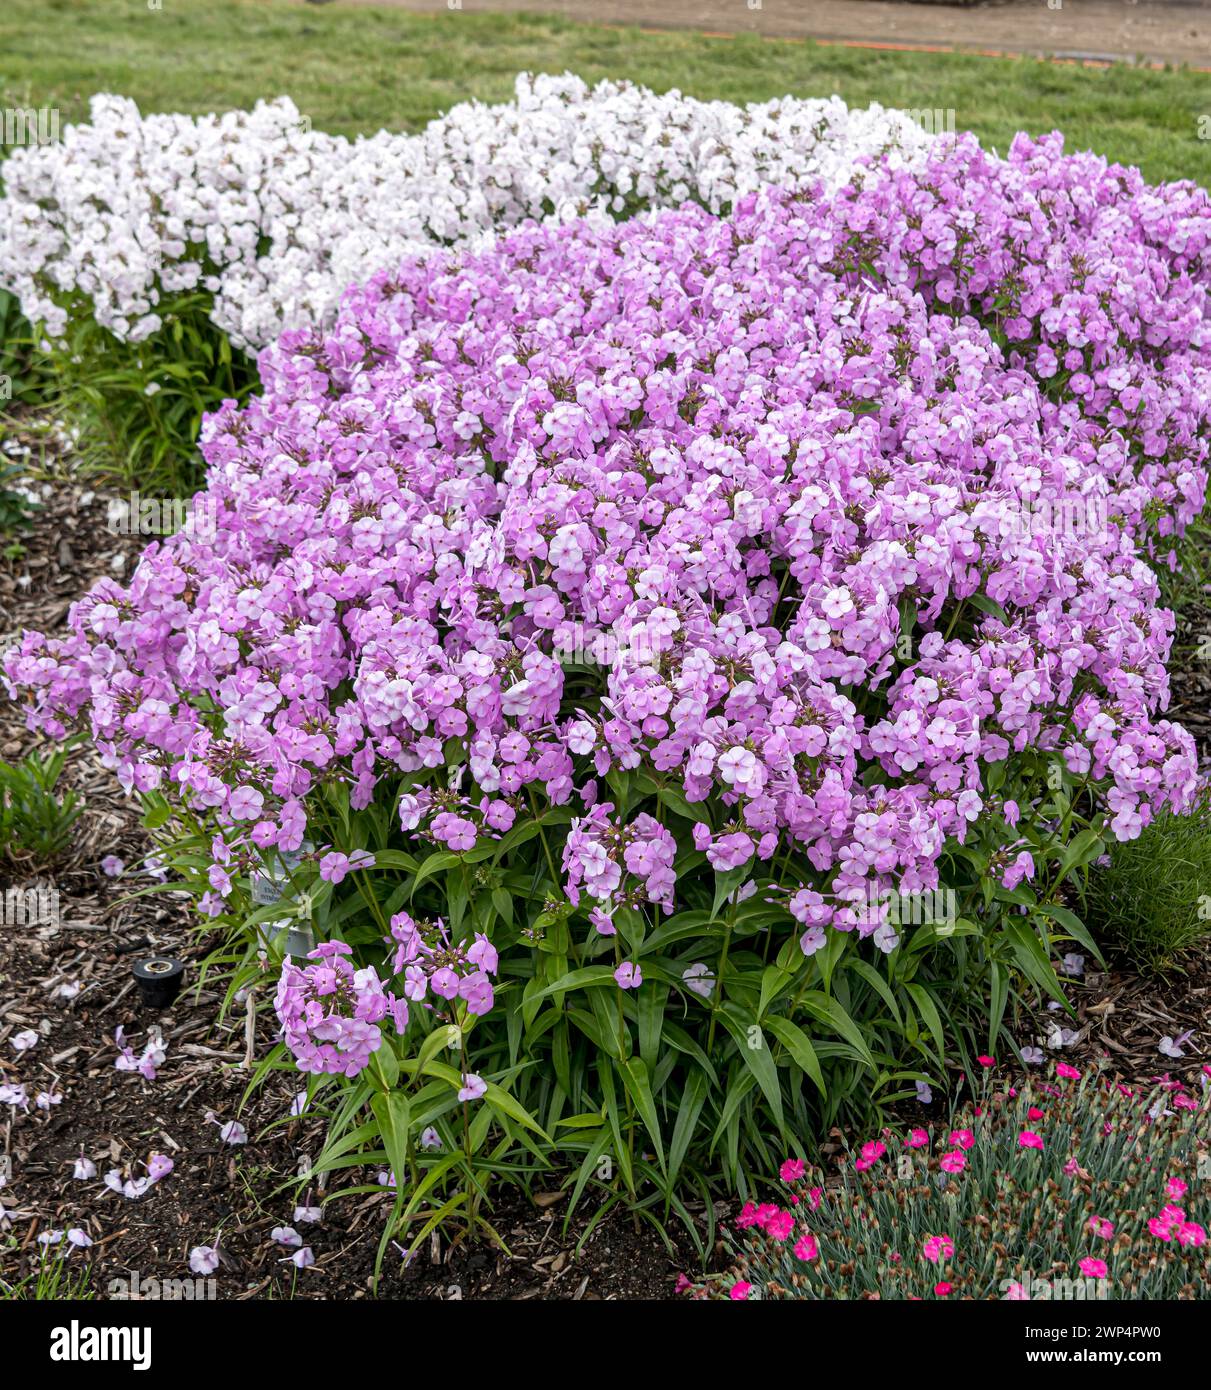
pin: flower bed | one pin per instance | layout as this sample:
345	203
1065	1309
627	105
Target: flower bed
611	627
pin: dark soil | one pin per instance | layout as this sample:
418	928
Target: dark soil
1122	1016
224	1194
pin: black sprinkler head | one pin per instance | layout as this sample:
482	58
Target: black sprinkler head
159	979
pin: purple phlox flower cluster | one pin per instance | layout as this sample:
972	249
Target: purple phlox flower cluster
433	964
330	1011
454	822
619	865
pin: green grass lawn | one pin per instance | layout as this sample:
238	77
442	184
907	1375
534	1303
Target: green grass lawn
358	69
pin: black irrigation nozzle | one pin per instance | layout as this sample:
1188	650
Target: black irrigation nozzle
159	979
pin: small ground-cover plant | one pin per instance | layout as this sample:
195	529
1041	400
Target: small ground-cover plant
24	371
1152	899
35	821
15	506
22	383
136	408
55	1279
1078	1188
